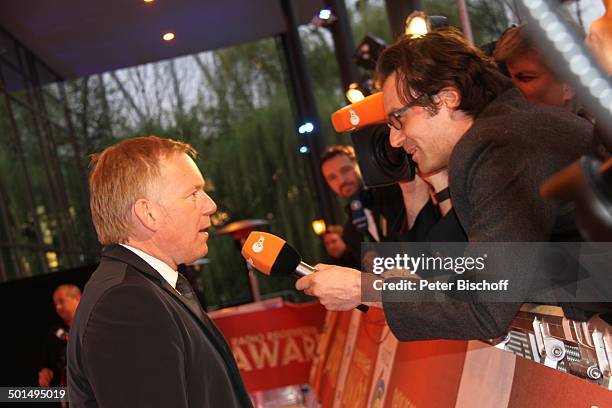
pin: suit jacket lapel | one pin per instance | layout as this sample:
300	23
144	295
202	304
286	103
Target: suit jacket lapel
117	252
125	255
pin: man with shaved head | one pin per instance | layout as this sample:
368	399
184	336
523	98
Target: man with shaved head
66	298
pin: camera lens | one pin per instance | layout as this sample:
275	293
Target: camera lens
381	164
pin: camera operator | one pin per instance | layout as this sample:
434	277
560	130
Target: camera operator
449	106
369	211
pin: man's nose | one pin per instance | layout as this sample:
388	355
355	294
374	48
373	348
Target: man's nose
210	207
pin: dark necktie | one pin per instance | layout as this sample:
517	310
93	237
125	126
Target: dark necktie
189	296
186	290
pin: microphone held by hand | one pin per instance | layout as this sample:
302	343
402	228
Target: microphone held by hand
271	255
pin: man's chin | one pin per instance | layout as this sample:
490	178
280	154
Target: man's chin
348	192
199	255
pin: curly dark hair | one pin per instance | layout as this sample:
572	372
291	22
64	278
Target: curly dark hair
425	65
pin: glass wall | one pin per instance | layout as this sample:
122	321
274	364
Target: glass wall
44	221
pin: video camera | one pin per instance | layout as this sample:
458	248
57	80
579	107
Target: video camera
380	163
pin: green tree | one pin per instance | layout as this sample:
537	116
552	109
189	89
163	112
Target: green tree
234	107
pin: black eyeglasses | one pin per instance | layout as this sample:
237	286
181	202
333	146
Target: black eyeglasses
393	119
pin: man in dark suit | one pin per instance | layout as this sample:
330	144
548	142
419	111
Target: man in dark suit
66	299
370	212
450	108
140	337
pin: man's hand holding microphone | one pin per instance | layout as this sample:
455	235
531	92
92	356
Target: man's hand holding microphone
337	288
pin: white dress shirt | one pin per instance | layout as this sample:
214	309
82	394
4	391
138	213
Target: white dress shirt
169	274
371	225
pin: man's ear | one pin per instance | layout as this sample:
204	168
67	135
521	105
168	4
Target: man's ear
450	97
147	214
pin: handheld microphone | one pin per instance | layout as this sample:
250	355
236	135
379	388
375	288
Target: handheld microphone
357	115
273	256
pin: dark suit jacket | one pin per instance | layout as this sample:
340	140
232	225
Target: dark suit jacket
495	171
135	342
55	353
384	202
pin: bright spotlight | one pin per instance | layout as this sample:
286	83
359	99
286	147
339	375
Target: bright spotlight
306	127
354	94
325	14
319	227
419	23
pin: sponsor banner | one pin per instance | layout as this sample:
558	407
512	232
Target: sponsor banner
382	371
331	366
426	374
487	376
274	342
441	373
363	359
349	348
323	349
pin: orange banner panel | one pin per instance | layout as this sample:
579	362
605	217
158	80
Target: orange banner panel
274	343
426	374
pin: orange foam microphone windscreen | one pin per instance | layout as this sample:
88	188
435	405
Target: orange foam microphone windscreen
369	111
270	254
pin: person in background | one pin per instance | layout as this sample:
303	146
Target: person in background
338	253
599	41
599	38
66	299
530	73
370	211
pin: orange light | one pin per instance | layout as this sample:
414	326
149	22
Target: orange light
354	94
168	36
148	1
319	227
52	260
417	24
